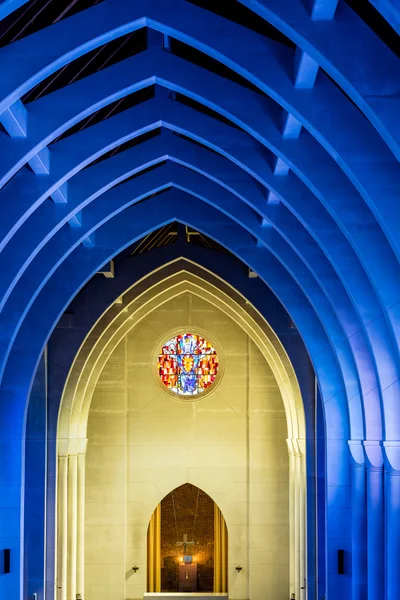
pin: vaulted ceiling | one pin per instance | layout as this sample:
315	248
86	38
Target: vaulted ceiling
270	127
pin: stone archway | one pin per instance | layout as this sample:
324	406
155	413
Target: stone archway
187	544
88	366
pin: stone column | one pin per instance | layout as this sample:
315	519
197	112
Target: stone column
62	524
358	521
302	518
80	542
72	524
297	524
392	514
375	522
297	507
292	516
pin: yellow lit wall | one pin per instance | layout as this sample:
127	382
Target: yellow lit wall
142	444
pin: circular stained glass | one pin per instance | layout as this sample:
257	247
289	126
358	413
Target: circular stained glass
187	364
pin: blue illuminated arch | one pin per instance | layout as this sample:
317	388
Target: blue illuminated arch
304	190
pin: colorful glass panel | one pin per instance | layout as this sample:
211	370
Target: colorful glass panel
187	364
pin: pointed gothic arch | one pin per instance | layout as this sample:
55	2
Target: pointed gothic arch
138	301
345	307
209	545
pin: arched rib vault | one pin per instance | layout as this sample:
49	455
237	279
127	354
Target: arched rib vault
283	149
110	329
136	304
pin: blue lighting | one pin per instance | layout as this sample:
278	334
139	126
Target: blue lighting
273	129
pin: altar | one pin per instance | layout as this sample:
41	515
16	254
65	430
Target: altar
176	595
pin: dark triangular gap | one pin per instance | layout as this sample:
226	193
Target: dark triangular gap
205	110
96	60
148	135
38	14
110	110
238	13
211	64
375	21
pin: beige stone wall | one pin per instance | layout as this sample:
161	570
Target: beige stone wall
142	444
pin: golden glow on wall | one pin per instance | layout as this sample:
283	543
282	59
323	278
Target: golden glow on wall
187	544
145	311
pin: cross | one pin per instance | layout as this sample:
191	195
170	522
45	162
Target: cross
185	543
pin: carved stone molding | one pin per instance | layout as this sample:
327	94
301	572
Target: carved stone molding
68	447
391	457
357	456
373	455
296	447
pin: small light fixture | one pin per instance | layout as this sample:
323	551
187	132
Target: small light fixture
134	569
238	568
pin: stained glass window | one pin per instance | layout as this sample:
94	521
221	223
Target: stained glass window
187	364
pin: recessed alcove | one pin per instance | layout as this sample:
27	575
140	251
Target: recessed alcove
187	544
143	444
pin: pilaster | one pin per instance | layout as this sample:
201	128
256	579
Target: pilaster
375	519
296	449
292	516
391	457
80	542
71	515
72	524
62	525
358	520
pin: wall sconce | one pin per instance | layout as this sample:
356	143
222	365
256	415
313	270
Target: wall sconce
238	568
134	569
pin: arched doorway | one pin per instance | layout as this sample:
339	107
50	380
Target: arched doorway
187	544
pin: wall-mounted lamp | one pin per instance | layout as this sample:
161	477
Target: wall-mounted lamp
134	569
239	568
